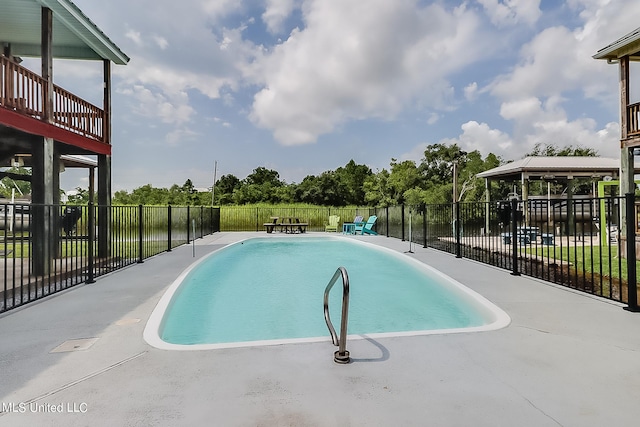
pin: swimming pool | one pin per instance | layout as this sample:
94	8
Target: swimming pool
270	291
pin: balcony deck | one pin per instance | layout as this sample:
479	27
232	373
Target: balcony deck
22	96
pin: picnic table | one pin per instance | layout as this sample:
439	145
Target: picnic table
286	224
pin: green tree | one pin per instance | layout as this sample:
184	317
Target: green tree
377	190
225	186
552	150
403	177
352	177
12	182
262	175
262	185
437	163
326	190
81	197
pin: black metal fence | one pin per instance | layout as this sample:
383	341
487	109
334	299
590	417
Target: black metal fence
574	243
48	248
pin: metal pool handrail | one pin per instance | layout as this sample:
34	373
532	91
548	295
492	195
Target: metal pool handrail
342	355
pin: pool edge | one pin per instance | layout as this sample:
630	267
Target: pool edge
499	318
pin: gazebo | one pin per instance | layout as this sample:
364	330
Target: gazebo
554	169
45	122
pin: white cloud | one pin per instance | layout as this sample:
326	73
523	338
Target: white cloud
512	12
219	8
276	12
174	110
521	109
178	136
471	91
337	69
479	136
559	59
538	122
135	36
175	48
555	65
161	42
433	118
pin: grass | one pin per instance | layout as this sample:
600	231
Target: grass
80	248
591	259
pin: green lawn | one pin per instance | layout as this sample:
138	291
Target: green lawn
591	259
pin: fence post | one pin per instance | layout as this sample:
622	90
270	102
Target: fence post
632	286
91	235
140	234
402	221
456	228
514	238
424	225
188	224
387	216
201	222
169	228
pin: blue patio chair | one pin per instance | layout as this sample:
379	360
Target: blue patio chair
350	227
367	228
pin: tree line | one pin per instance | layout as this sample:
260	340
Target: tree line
428	181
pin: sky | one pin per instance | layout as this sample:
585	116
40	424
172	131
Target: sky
305	86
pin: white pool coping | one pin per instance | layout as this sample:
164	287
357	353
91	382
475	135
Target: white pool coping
495	317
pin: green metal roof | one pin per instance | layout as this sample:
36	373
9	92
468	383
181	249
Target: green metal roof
629	45
74	35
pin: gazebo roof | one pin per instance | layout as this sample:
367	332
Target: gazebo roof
555	167
74	35
626	45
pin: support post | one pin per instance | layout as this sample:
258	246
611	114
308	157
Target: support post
43	215
169	228
487	207
456	228
189	225
514	238
106	121
387	219
140	234
104	204
627	184
632	286
92	188
47	62
402	220
91	236
424	225
571	229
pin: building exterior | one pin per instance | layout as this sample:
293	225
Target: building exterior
623	52
43	121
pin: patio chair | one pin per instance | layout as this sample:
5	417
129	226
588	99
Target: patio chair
367	228
350	227
334	220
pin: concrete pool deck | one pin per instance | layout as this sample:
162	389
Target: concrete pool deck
566	359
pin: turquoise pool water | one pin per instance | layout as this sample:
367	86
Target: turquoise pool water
266	289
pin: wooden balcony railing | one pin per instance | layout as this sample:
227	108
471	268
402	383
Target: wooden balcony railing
633	119
23	91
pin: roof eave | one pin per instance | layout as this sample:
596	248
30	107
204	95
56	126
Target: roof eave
96	41
626	46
